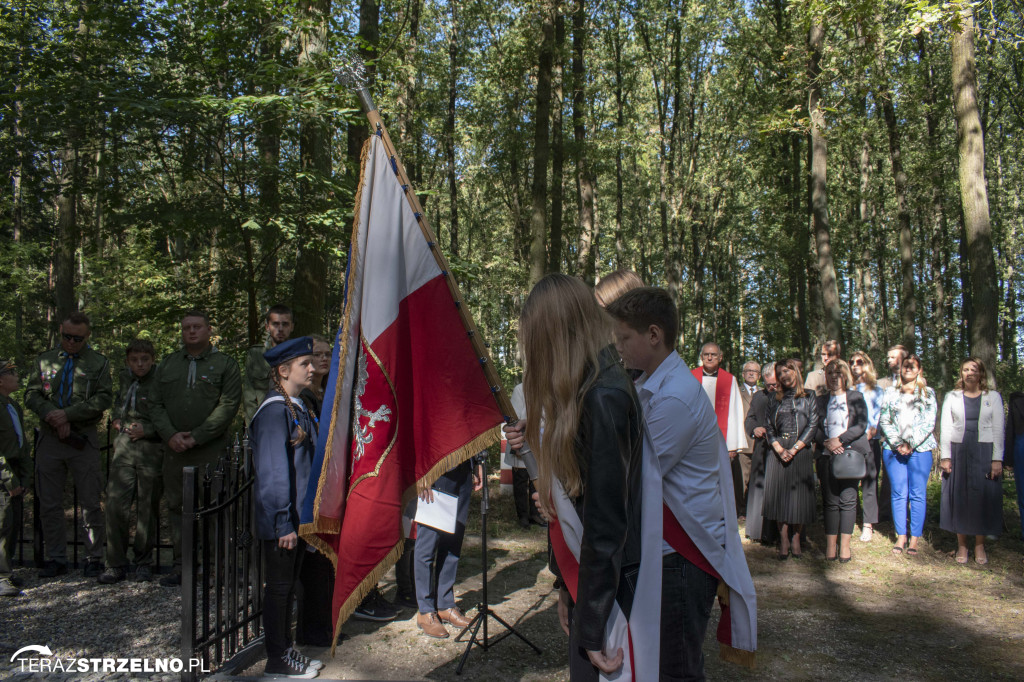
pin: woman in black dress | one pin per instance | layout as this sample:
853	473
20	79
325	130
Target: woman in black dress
971	432
789	475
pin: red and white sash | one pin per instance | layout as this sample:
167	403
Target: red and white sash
639	636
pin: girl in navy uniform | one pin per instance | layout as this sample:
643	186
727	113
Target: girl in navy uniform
284	435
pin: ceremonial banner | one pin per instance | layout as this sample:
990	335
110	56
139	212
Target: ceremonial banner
406	398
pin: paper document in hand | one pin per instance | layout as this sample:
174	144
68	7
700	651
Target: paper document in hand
440	514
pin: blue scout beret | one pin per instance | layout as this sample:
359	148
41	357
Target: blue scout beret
289	350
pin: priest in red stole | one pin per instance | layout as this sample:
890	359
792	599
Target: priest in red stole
699	527
724	394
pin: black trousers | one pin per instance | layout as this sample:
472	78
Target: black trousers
687	596
316	577
839	497
281	569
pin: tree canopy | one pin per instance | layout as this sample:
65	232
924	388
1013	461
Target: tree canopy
790	170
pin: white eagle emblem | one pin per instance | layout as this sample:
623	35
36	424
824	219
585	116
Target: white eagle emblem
364	433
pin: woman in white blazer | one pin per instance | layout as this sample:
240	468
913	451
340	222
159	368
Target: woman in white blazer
971	441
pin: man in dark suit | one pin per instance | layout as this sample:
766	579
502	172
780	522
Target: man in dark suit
741	464
754	427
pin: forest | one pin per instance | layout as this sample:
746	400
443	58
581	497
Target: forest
790	170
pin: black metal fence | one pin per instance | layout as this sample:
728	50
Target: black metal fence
222	568
32	540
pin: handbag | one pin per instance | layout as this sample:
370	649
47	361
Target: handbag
849	464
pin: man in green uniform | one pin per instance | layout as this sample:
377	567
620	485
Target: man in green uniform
15	472
257	371
198	390
135	468
69	389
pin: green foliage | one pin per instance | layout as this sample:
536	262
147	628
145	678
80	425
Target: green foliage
195	182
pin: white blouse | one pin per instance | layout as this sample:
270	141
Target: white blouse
837	417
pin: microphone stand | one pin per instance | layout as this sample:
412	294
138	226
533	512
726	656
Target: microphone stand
484	610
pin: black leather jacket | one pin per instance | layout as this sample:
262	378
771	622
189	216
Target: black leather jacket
609	450
806	409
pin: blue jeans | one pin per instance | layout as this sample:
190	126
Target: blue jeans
909	477
687	596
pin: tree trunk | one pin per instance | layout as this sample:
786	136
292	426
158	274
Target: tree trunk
865	288
620	119
833	317
369	38
405	116
940	229
449	130
908	304
315	159
268	147
557	148
541	147
586	253
67	234
974	194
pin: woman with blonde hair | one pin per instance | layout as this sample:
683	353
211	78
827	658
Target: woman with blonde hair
907	423
615	284
971	431
590	455
843	424
865	380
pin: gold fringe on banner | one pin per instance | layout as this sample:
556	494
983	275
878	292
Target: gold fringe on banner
308	531
450	461
363	589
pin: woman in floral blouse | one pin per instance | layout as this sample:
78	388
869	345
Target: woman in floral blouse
907	423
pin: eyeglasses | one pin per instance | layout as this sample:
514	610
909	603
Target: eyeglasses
751	371
73	337
857	362
709	355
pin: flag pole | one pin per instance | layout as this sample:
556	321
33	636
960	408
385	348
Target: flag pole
351	76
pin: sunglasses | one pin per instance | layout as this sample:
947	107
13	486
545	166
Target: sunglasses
73	337
857	362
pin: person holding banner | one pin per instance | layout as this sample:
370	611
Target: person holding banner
701	551
590	477
283	437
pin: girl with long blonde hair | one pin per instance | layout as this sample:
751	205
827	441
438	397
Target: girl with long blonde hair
590	451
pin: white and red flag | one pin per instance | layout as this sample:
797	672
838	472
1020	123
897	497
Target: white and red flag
639	635
407	398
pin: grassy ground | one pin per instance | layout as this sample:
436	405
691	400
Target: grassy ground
877	617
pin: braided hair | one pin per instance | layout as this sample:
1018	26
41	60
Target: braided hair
300	434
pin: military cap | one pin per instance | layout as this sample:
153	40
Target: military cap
289	350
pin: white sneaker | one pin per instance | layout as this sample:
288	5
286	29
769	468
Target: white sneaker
865	535
303	660
288	668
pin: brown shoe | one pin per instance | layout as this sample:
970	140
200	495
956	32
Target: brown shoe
453	616
431	626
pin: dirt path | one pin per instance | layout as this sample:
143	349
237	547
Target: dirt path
877	618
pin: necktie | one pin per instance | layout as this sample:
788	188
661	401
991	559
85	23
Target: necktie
17	424
129	399
67	380
190	380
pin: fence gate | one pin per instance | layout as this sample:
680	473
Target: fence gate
222	568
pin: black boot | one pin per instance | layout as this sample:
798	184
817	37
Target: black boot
521	494
405	577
